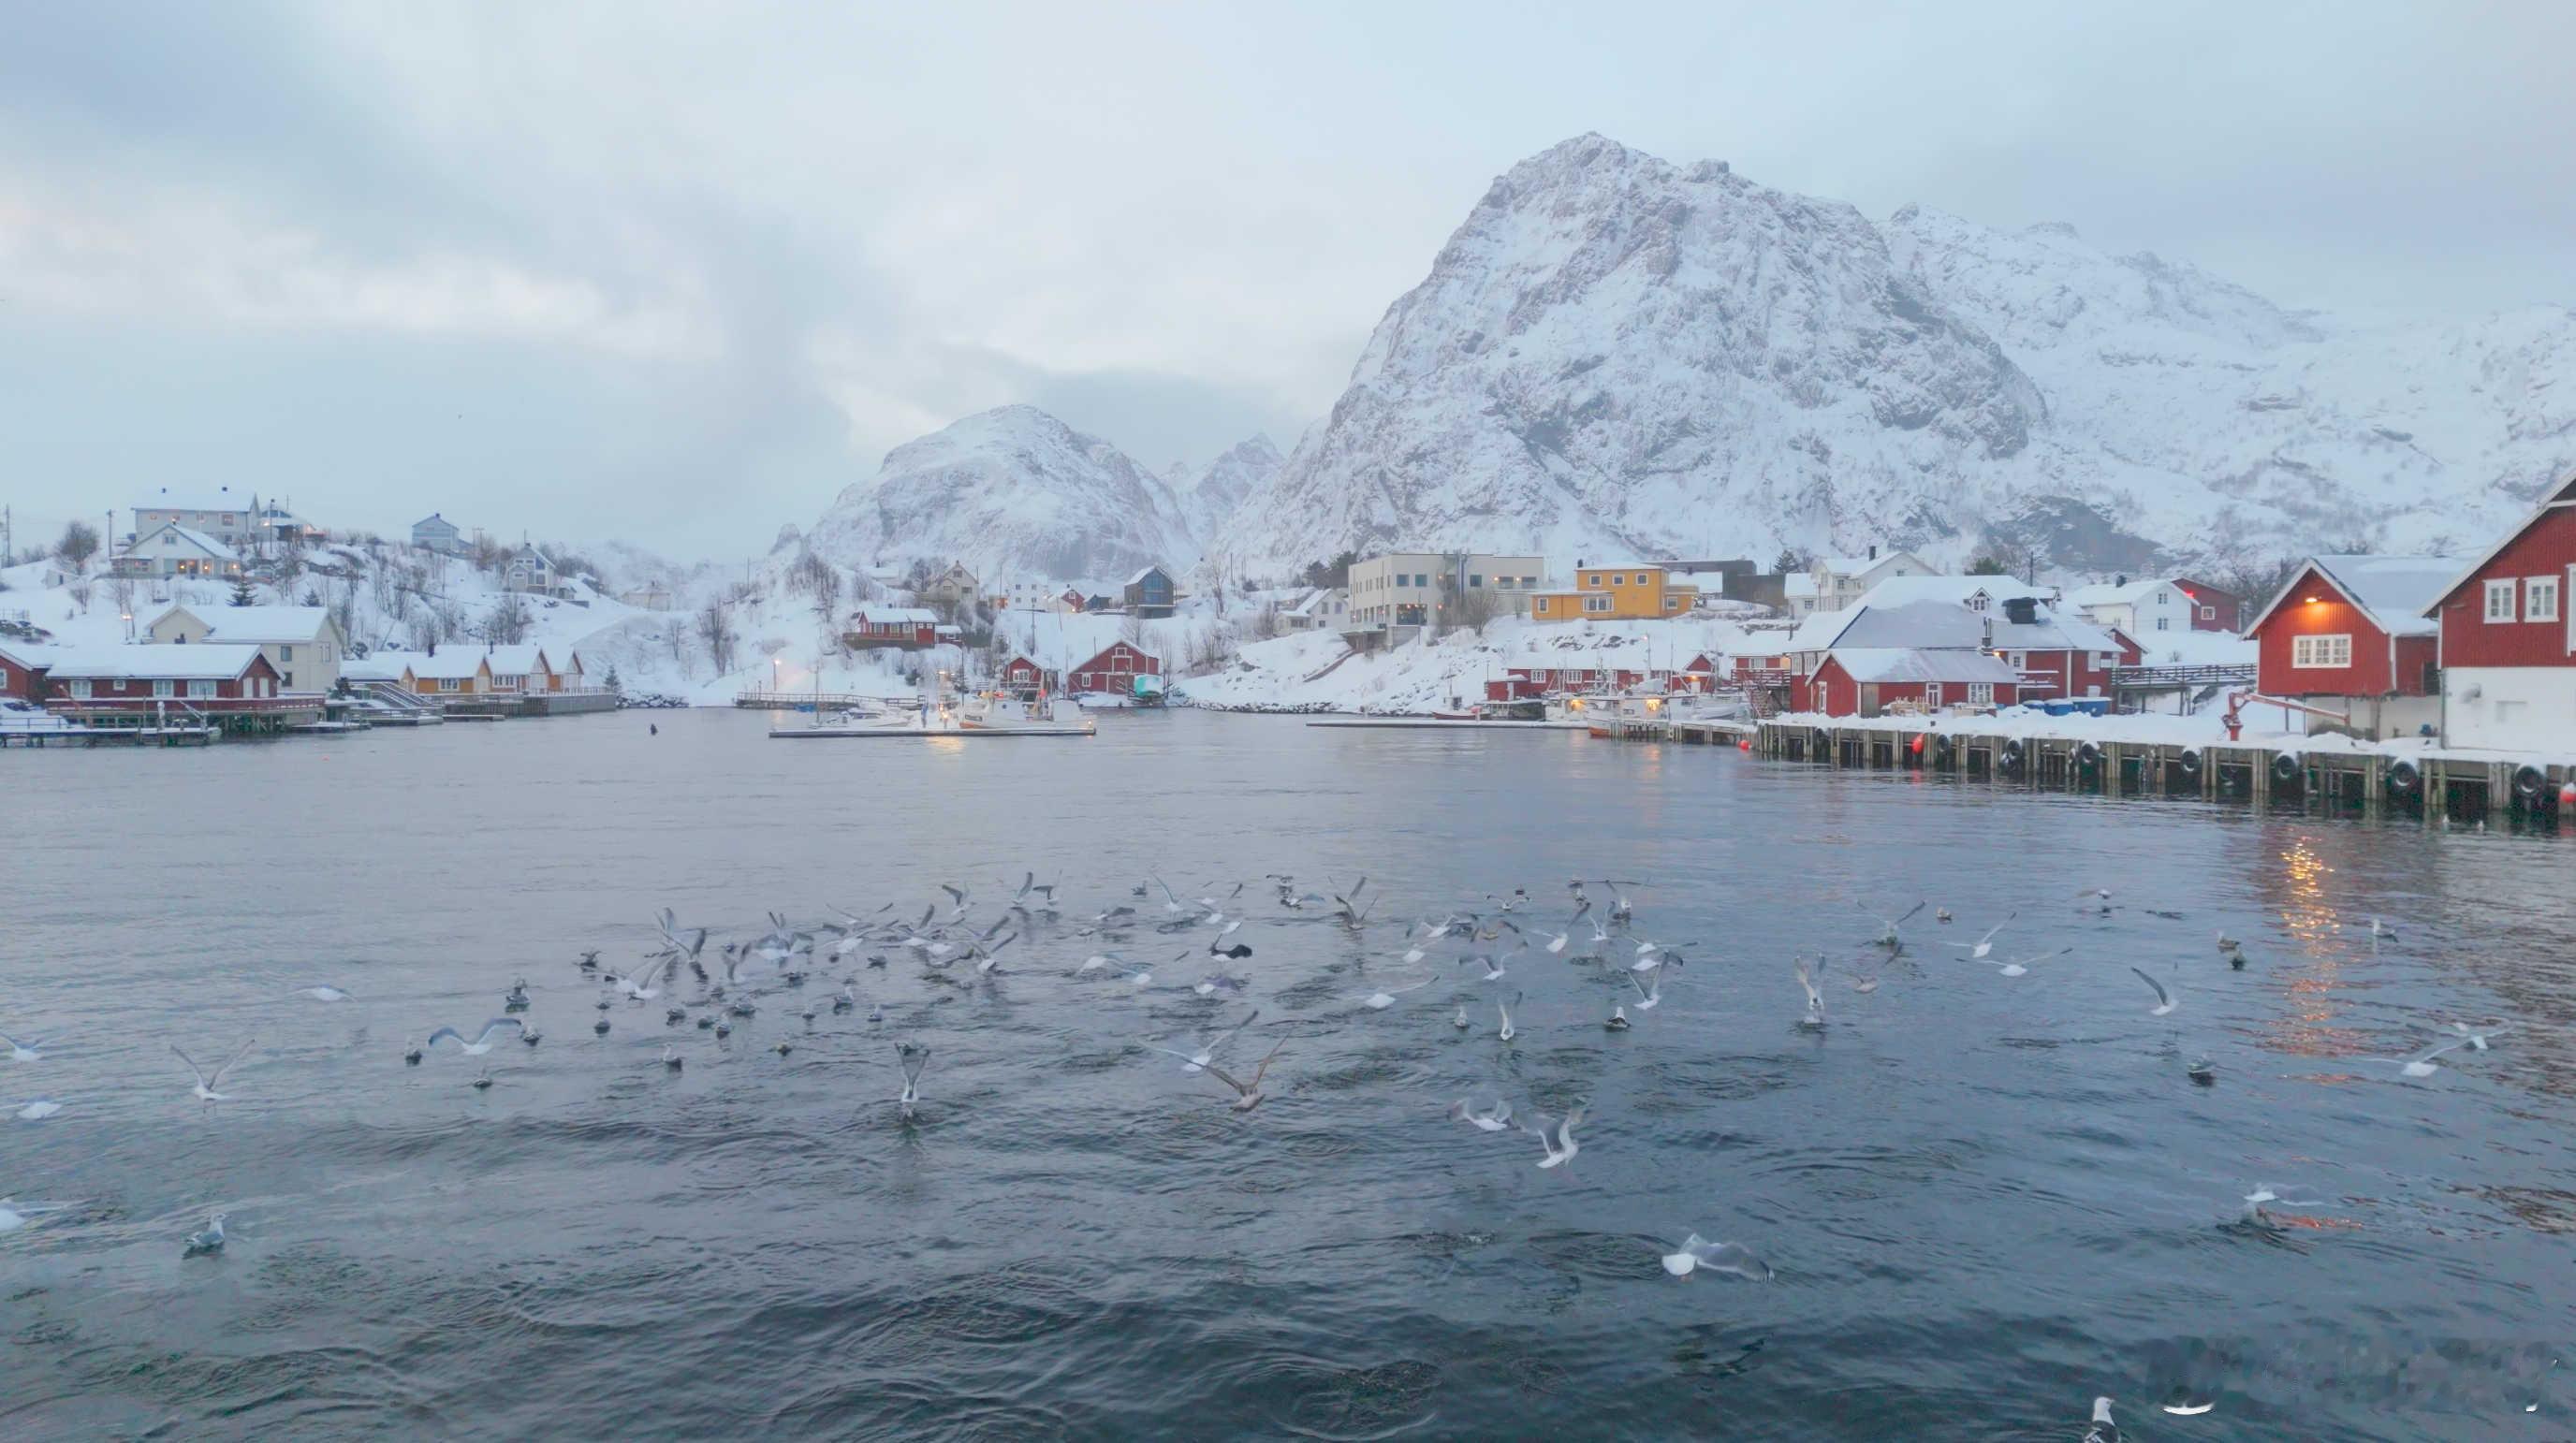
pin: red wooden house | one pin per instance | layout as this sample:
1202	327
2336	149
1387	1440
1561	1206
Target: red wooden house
2350	635
1865	681
1115	671
906	628
2507	638
2212	609
1025	678
230	684
22	671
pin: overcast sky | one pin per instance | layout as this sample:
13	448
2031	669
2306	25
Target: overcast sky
678	273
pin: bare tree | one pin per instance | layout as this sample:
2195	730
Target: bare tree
508	622
715	628
1471	608
79	544
1265	622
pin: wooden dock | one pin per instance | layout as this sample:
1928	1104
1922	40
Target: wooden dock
2368	784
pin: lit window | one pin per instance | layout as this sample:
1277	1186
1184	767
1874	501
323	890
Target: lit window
2500	600
2540	598
2321	651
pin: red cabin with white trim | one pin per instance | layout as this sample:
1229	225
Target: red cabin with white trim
2349	635
2507	636
1115	670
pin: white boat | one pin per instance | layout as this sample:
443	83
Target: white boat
974	716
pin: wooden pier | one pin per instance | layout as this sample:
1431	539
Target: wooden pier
2368	784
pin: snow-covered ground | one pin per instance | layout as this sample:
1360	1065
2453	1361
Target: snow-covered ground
2264	727
1314	670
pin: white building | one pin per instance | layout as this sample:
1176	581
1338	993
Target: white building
436	533
1412	588
1835	582
1327	608
174	550
1029	594
302	642
2139	608
529	570
222	514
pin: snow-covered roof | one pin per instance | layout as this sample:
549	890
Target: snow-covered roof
1862	565
382	666
1799	586
522	660
1915	664
1147	571
207	661
193	501
256	623
432	517
1946	624
2107	593
198	539
890	615
1901	590
455	662
2394	592
526	550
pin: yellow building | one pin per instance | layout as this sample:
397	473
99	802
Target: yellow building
1615	593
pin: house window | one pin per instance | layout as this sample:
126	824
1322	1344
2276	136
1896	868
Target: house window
1475	580
286	653
2500	600
447	683
1641	578
1932	693
2161	623
1421	578
1596	603
1977	602
2540	598
162	688
80	691
1403	579
1672	603
1618	581
1981	693
201	691
2209	613
2164	598
2321	651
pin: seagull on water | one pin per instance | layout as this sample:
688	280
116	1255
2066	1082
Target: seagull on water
1557	1138
2103	1429
324	994
20	1051
516	999
2165	1001
481	1042
411	1054
210	1241
1978	950
2263	1192
1495	1121
1248	1095
671	1057
204	1091
1460	1021
2381	932
2096	900
1698	1255
912	1060
39	1108
1618	1019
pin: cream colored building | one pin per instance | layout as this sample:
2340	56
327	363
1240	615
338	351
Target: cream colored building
1414	588
302	642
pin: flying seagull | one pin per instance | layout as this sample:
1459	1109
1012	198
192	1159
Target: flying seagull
1494	1121
1887	934
2164	1000
481	1041
1978	950
1248	1095
1557	1138
206	1082
912	1059
1697	1254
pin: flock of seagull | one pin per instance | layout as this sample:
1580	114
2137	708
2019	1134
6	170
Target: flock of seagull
1497	942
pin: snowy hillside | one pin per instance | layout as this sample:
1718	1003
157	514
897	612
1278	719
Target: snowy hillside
1615	355
1210	495
1014	493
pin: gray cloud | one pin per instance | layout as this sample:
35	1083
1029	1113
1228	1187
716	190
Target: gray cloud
681	272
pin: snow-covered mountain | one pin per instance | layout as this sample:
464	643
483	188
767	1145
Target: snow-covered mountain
1209	495
1014	493
1618	356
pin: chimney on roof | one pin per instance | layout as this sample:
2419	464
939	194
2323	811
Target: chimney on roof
1873	551
2021	610
2121	579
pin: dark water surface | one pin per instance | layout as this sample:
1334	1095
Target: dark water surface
1987	1199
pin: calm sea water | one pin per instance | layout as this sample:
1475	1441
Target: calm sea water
1987	1199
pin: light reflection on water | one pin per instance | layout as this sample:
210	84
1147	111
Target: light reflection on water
1988	1199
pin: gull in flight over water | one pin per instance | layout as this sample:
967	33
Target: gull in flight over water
1248	1095
204	1091
38	1108
19	1050
1384	997
481	1042
2263	1192
2020	966
1698	1255
1815	999
1206	1051
1508	1032
1557	1138
2164	1000
1978	950
1887	933
912	1060
2422	1064
2477	1037
1648	996
1495	1121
